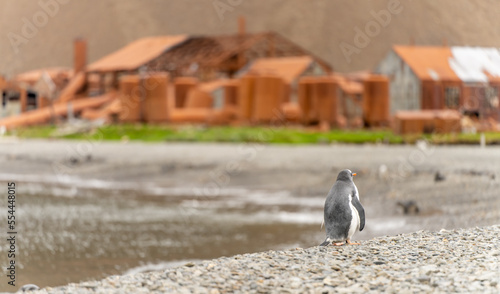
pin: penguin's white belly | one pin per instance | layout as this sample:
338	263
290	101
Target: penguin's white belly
354	220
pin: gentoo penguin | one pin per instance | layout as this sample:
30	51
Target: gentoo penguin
344	214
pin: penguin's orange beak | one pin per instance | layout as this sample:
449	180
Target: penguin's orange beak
354	174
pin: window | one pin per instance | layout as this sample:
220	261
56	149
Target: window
491	95
451	97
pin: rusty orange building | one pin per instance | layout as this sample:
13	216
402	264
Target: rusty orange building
466	79
242	78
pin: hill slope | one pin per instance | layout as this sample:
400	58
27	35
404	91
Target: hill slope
321	26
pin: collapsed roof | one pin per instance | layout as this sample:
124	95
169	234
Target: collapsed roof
187	55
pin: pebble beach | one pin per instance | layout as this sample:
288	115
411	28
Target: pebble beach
445	261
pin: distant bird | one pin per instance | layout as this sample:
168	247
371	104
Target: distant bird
344	214
409	207
73	160
29	288
439	177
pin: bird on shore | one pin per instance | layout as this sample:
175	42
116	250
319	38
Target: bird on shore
409	207
439	177
343	214
29	288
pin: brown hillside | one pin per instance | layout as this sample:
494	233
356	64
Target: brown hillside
320	26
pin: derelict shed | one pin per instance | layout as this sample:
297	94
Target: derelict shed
32	89
204	57
210	57
461	78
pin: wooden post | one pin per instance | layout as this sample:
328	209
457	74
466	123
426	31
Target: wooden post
23	99
102	82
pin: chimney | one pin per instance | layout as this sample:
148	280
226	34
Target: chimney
80	55
242	26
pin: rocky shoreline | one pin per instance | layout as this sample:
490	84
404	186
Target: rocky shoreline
463	260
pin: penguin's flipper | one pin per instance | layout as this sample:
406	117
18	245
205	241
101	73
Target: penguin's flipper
361	212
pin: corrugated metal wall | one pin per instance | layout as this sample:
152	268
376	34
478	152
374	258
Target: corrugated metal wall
405	87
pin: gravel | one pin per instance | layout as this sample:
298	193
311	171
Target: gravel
463	260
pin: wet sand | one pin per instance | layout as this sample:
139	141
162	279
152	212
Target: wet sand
91	209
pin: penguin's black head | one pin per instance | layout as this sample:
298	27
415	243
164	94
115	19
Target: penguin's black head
345	175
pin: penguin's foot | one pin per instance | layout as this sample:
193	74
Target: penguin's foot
338	244
351	243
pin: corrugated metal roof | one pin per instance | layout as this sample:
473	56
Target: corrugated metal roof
136	54
287	68
428	63
466	64
475	64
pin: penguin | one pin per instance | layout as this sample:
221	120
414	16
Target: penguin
28	288
343	214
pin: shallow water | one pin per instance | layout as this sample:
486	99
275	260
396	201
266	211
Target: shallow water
68	234
99	233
